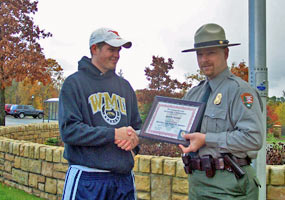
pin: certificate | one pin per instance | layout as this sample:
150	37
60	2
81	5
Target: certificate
169	119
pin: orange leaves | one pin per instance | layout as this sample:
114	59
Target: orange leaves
241	71
159	78
21	55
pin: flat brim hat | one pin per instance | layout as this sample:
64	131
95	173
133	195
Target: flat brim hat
109	36
210	35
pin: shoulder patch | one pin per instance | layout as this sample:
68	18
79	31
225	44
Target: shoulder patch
247	99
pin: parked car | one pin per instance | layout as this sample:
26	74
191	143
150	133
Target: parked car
20	111
7	108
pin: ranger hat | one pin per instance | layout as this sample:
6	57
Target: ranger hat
109	36
210	35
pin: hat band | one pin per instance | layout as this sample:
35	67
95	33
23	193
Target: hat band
211	43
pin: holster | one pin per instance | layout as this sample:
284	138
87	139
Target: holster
186	160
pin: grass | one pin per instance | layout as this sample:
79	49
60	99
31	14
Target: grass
270	139
9	193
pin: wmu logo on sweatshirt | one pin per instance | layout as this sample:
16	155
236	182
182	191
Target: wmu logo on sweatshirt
111	108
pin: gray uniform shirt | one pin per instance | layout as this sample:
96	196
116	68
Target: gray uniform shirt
234	123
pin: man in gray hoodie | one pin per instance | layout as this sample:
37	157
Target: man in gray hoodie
98	116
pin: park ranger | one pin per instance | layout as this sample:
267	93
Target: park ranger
220	151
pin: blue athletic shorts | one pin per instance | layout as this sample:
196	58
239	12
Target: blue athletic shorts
82	185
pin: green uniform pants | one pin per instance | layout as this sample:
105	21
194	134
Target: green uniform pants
224	185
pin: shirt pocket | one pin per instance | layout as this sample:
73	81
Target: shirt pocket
215	120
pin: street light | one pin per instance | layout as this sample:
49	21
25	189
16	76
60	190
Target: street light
33	100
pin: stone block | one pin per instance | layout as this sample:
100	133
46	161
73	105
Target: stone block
49	154
50	185
169	167
37	151
35	166
26	150
17	162
143	196
11	147
160	187
6	146
41	186
180	169
57	155
9	157
7	176
60	185
60	167
136	163
25	188
59	175
16	149
36	192
25	164
8	166
275	193
179	197
32	151
277	175
268	170
180	185
142	183
20	177
33	180
156	165
144	164
43	152
47	168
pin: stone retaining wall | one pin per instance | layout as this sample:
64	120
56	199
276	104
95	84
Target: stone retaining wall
37	133
40	169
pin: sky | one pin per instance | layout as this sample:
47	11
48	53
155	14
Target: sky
158	28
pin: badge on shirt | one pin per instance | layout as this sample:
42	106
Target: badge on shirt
218	99
247	99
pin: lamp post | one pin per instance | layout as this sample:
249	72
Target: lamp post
33	100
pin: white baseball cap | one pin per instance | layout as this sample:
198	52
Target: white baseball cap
109	36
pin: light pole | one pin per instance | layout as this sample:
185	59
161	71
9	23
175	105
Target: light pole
33	100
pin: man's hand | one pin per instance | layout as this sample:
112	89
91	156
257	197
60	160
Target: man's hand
197	140
126	138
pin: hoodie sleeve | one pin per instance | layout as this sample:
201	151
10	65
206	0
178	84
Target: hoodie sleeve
136	121
72	129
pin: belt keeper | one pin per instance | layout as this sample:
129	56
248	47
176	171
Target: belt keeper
208	166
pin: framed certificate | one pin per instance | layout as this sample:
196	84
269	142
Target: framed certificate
170	118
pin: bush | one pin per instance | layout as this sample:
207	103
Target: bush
52	142
155	148
275	154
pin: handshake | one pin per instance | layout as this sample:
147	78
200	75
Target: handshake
126	138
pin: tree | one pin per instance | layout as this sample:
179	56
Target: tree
22	92
280	111
271	118
159	78
21	55
160	84
241	70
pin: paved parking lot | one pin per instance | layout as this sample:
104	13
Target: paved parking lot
11	121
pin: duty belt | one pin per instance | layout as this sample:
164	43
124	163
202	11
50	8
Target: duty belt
210	165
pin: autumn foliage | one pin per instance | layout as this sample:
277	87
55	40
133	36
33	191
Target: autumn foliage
160	84
21	55
241	71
